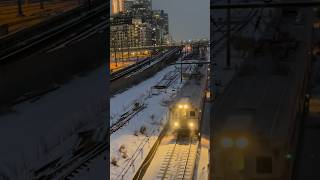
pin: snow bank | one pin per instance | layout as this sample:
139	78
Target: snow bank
153	118
39	131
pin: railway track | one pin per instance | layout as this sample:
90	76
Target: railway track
181	155
141	65
164	83
68	169
179	160
79	164
234	29
84	33
125	118
85	22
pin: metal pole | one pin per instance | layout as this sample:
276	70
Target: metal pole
115	54
89	3
41	4
129	53
137	55
121	49
153	54
181	70
228	37
20	13
212	115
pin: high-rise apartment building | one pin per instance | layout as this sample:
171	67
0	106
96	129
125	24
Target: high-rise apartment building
129	31
138	25
117	6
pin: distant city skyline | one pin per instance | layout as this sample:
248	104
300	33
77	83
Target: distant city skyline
188	19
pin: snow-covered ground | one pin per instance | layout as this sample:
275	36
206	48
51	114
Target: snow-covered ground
136	145
174	159
121	102
37	132
202	171
95	169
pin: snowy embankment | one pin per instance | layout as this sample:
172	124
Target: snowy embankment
41	130
132	143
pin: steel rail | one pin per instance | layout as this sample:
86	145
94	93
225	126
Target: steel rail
36	41
188	158
170	158
137	66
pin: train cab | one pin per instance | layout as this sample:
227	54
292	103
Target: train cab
184	117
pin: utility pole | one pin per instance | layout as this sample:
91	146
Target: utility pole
89	3
181	68
115	54
228	36
137	59
121	49
20	13
41	4
212	115
181	71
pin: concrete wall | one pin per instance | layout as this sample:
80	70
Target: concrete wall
122	84
41	70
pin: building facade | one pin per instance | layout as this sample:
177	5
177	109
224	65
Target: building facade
130	32
117	6
137	25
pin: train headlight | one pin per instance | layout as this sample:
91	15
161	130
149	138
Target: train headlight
191	124
227	142
176	124
180	106
185	106
242	142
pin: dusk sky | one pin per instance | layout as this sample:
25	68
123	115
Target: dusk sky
188	19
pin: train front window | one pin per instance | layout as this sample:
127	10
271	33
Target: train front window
185	114
192	113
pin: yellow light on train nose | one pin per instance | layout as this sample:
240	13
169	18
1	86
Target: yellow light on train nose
191	124
185	106
176	124
180	106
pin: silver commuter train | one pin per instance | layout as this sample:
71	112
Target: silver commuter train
184	116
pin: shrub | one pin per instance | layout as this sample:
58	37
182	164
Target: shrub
122	148
124	155
136	133
143	130
114	161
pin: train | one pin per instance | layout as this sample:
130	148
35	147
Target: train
184	117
